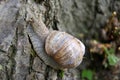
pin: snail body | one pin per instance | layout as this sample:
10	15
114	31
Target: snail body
57	49
65	49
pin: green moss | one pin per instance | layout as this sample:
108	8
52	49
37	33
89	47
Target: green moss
61	73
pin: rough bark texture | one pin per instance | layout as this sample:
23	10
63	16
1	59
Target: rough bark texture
18	61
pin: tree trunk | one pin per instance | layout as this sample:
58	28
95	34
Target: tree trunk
18	60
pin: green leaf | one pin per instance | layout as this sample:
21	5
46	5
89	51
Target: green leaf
111	51
88	74
112	59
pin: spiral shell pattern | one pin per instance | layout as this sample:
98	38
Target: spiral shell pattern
65	49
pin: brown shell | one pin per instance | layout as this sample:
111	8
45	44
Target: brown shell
66	50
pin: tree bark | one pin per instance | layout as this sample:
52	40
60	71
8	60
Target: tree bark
18	60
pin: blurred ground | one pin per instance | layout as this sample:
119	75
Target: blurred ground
103	54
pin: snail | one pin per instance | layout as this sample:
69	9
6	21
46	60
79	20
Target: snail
57	49
64	49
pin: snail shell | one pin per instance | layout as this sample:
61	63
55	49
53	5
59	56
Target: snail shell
65	49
